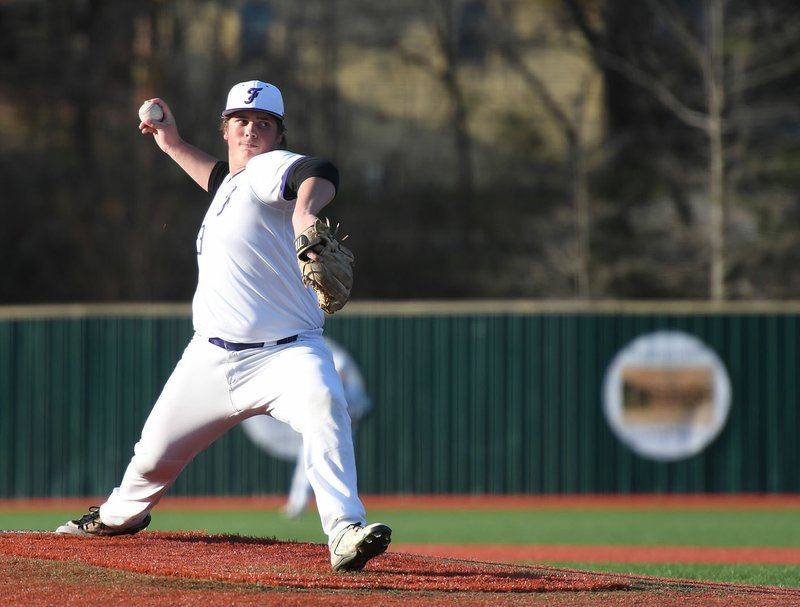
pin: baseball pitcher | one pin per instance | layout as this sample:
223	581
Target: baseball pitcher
267	268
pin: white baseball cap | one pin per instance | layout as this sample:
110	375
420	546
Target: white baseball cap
255	95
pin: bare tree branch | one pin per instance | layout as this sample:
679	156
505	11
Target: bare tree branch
767	73
537	85
658	89
678	28
634	74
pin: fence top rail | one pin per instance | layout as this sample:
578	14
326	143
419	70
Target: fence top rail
423	308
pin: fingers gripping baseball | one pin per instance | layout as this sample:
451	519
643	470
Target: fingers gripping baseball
157	120
153	115
151	111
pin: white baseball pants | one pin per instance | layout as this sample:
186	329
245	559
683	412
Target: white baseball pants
211	390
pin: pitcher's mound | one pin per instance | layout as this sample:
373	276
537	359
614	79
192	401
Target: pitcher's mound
216	569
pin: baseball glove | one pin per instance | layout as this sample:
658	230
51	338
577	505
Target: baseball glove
331	274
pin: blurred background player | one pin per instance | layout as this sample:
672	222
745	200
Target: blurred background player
279	440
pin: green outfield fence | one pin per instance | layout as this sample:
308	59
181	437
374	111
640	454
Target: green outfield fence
471	397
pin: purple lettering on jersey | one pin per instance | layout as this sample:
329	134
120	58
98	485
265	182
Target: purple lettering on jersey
253	94
200	239
227	200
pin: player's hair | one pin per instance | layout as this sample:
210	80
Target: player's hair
282	144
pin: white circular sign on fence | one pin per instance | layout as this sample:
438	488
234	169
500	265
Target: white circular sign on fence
666	395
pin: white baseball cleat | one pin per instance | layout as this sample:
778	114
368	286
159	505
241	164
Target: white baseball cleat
91	525
355	545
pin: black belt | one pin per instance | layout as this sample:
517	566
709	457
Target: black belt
229	345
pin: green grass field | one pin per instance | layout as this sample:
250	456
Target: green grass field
691	527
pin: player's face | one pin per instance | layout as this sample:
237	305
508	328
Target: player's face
251	133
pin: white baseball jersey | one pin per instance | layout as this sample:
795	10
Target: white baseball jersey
249	285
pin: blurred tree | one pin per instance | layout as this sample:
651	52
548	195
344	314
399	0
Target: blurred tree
568	112
443	61
703	68
465	131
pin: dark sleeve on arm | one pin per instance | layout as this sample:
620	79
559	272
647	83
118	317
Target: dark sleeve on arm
218	173
309	167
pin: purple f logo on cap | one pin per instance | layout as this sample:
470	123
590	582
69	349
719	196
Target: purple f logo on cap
255	95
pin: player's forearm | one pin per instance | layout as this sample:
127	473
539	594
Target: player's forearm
194	161
313	195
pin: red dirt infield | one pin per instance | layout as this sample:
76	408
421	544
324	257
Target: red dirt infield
184	568
187	568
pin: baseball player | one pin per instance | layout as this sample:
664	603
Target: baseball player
257	347
278	439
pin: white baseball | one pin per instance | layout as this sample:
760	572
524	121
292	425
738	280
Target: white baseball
151	111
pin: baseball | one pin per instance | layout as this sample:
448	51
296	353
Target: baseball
150	111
